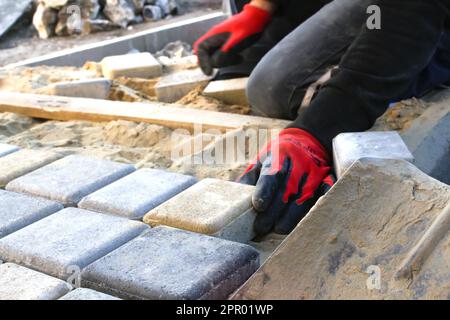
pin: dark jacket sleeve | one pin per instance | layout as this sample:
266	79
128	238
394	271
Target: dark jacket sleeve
378	68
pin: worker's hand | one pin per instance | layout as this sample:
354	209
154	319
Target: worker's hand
220	47
290	174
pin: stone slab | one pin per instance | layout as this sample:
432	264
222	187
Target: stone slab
166	263
135	65
232	91
350	147
10	12
138	193
86	295
171	65
355	239
18	211
428	138
213	207
175	86
85	88
24	161
68	241
19	283
6	149
70	179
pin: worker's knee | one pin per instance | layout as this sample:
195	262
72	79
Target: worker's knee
266	94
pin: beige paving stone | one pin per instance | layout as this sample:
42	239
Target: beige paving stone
24	161
136	65
213	207
231	91
86	88
175	86
19	283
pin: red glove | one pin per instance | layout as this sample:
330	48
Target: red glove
290	174
220	47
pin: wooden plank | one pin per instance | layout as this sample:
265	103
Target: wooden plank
65	108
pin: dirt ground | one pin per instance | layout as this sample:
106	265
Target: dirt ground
21	42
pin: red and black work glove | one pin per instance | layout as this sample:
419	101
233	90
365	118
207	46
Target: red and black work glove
290	174
220	47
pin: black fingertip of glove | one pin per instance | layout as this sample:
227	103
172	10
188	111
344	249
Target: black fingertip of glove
268	186
292	217
266	220
207	49
222	59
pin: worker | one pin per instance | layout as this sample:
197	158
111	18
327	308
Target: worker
329	68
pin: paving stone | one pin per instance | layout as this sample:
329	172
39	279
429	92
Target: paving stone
135	65
86	88
213	207
166	263
10	12
68	240
87	294
7	149
70	179
354	240
19	283
138	193
349	147
18	211
231	91
177	64
175	86
22	162
428	138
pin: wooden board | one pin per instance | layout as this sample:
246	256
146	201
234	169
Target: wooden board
62	108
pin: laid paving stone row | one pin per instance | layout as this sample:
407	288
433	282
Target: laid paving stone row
18	211
350	147
7	149
17	164
87	294
138	193
136	65
70	179
212	207
67	241
19	283
166	263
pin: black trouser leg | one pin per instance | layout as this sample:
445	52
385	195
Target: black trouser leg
278	84
377	69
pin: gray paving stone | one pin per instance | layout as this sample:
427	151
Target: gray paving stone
136	65
166	263
85	88
19	283
173	87
232	91
24	161
18	211
428	138
70	179
7	149
350	147
137	193
212	207
68	241
87	294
